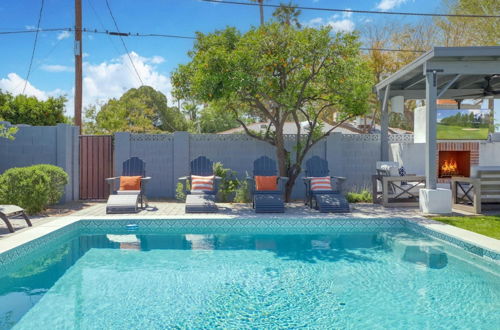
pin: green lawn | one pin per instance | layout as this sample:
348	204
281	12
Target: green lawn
485	225
445	132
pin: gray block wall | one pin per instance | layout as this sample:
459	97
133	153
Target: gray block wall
55	145
168	156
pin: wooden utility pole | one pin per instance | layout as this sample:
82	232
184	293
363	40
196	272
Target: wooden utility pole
78	64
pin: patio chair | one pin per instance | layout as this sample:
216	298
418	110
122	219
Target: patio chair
394	190
7	211
200	197
480	190
267	200
126	200
324	192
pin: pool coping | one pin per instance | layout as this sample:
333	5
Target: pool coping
480	245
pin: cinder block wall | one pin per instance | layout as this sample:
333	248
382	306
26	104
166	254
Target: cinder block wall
167	156
55	145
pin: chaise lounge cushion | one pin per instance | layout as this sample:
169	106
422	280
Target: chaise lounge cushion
130	183
266	183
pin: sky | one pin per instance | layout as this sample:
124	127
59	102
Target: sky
107	69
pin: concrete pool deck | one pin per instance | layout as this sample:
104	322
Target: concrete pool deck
172	210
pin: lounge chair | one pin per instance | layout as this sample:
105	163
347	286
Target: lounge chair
203	186
394	190
324	192
267	201
126	200
7	211
480	190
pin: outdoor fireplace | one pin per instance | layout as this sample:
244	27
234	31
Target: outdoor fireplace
454	163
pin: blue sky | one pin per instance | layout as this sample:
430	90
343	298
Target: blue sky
107	70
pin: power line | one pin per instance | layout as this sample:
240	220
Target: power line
173	36
104	28
352	10
123	42
34	46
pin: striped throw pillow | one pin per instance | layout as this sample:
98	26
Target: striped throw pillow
321	183
202	183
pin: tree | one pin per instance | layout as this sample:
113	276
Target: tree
22	109
140	110
459	31
288	14
279	73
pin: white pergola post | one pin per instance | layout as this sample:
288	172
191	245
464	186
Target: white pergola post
384	126
430	129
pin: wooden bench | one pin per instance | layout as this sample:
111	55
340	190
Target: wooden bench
481	190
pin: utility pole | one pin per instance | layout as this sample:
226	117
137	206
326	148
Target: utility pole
78	64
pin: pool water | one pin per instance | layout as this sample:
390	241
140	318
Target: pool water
376	280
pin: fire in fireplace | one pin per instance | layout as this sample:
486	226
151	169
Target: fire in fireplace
454	163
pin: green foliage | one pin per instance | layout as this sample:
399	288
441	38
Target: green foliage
58	180
359	197
466	120
32	188
243	192
22	109
229	182
8	132
288	14
139	110
278	73
180	193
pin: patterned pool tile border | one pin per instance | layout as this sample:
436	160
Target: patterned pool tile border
235	225
469	247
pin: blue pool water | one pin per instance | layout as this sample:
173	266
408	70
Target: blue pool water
132	280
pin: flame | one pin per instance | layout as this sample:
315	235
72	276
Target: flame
449	167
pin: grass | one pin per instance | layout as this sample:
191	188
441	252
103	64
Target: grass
359	197
445	132
485	225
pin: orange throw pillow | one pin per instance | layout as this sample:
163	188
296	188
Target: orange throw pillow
266	182
130	183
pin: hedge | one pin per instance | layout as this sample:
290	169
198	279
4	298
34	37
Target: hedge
34	187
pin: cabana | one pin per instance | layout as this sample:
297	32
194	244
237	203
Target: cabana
441	73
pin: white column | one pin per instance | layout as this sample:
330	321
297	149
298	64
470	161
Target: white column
430	130
384	126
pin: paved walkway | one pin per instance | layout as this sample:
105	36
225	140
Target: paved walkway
173	209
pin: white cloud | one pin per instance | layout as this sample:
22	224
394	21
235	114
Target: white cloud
111	79
337	23
85	55
57	68
63	35
101	82
390	4
157	59
15	84
30	27
341	25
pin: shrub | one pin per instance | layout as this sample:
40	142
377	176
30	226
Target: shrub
58	179
229	183
180	194
26	187
32	188
243	192
359	197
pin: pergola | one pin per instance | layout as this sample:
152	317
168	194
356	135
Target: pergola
442	73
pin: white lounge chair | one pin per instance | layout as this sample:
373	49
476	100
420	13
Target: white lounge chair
7	211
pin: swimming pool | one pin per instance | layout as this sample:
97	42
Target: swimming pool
204	274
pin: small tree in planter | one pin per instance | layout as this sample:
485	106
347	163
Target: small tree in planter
279	73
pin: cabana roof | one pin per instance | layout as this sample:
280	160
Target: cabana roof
460	71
